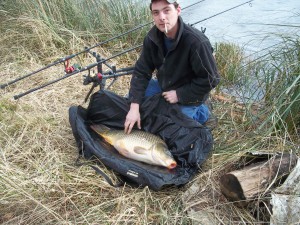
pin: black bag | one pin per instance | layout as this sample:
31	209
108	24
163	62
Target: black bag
189	142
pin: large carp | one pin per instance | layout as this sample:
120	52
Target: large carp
138	145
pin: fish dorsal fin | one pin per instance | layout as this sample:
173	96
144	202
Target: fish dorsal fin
140	150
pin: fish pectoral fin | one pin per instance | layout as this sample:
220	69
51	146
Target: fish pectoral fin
124	152
140	150
121	148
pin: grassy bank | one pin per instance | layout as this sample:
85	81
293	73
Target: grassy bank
41	30
269	81
39	181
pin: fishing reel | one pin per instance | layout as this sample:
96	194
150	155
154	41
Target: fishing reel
99	79
71	69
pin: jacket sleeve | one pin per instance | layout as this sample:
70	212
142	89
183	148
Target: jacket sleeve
206	76
143	70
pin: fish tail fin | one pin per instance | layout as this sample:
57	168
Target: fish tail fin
100	128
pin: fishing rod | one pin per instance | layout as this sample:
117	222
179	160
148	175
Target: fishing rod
99	62
109	74
70	57
67	58
221	12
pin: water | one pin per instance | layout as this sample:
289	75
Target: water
255	26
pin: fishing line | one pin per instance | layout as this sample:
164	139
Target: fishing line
222	12
95	64
2	86
192	5
261	56
76	71
239	92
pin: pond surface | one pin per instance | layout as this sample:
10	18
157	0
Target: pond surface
254	25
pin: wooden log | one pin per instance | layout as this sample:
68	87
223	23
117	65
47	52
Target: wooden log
292	183
286	200
249	182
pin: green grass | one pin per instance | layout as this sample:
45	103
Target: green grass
230	61
275	74
283	86
47	28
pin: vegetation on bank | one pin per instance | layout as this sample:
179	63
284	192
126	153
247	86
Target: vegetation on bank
271	79
45	29
39	182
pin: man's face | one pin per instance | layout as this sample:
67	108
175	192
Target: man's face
165	17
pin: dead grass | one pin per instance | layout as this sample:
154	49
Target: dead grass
40	183
39	180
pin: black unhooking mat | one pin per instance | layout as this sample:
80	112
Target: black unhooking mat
189	141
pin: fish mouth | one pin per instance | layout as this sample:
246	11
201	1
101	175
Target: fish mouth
172	165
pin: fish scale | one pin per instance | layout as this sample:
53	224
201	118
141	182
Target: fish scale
138	137
138	145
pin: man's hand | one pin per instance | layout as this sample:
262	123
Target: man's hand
170	96
132	117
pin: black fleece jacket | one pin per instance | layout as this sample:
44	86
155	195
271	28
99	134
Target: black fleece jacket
189	67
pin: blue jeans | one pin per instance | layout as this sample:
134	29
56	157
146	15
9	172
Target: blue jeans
199	113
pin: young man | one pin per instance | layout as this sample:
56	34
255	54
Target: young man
183	59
